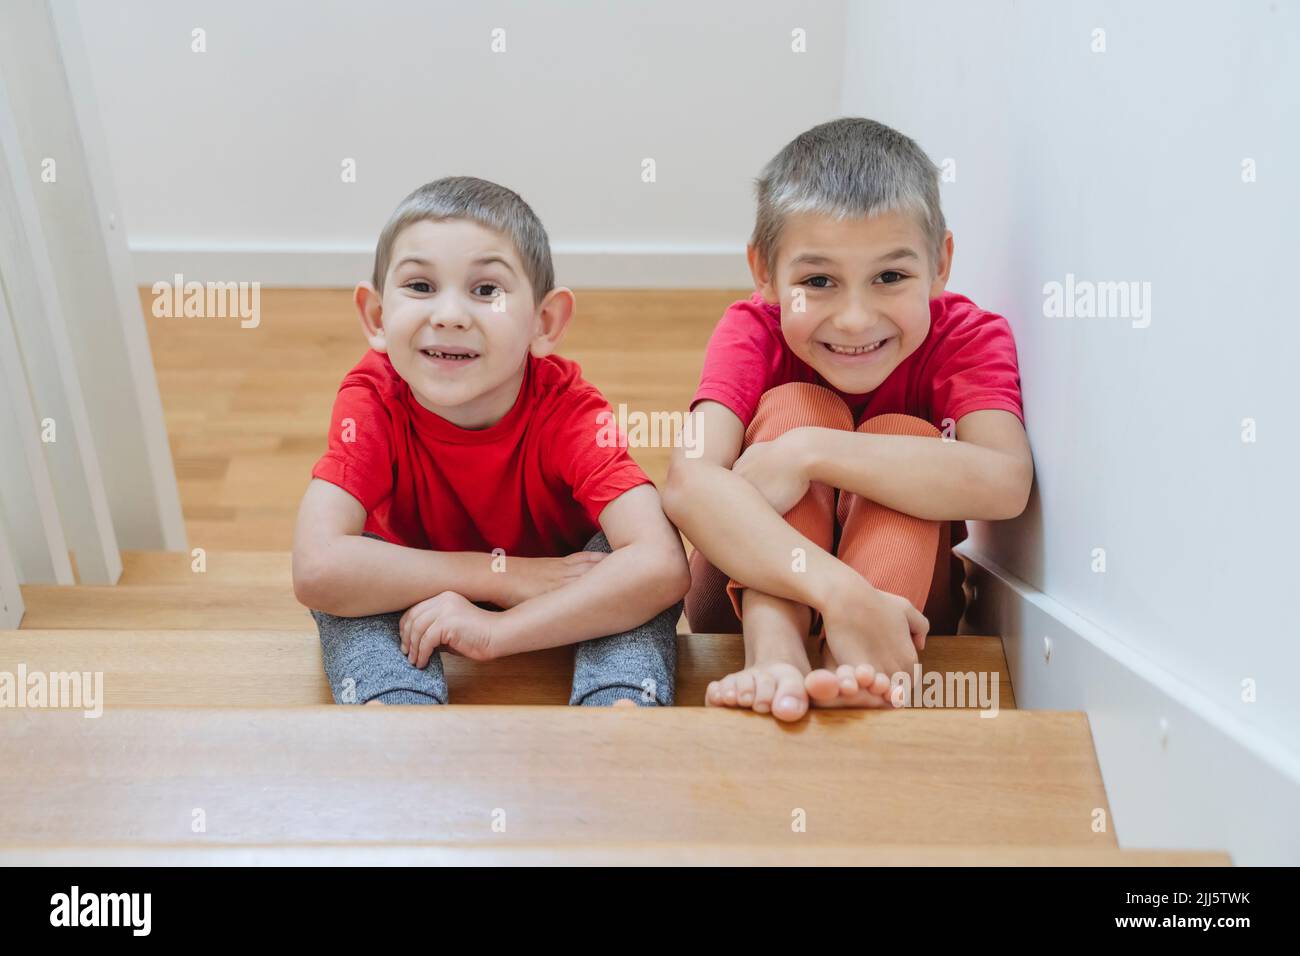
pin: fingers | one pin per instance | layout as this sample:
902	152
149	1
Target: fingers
412	646
919	625
404	629
428	644
411	618
415	628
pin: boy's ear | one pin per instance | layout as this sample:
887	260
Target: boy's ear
371	311
553	318
762	278
943	267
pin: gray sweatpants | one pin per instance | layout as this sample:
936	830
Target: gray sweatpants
364	661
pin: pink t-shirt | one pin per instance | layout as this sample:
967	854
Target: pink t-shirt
966	363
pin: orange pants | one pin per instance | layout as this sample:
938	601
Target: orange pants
899	553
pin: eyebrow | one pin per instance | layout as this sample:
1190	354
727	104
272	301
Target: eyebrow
815	259
485	260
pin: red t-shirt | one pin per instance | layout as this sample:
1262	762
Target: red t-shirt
966	363
533	484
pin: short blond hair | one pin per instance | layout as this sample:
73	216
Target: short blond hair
476	200
850	167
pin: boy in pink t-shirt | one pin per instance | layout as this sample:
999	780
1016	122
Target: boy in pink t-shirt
850	417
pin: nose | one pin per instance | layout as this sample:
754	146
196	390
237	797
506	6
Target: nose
447	314
853	317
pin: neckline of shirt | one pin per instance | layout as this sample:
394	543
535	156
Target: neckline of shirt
433	426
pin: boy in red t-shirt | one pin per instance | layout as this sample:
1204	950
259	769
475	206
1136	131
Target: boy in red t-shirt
472	498
853	396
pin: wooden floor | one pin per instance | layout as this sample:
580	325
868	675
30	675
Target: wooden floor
215	705
247	410
558	773
611	853
167	636
263	668
547	785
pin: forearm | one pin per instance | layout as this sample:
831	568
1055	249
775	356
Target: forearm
626	589
732	525
925	477
357	576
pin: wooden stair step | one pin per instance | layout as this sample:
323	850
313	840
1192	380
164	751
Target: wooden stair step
560	775
605	854
249	568
273	668
197	606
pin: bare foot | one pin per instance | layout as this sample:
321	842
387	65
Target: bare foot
876	635
767	687
624	703
776	662
847	685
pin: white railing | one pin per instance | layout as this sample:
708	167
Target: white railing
85	465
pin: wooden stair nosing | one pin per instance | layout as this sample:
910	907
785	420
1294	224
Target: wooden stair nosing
412	774
273	668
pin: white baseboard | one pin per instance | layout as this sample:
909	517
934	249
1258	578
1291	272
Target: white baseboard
1181	771
606	266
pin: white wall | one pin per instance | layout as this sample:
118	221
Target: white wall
238	150
1127	165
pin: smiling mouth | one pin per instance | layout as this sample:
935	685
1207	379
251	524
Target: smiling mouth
455	354
856	349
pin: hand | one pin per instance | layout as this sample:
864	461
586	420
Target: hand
526	578
776	469
446	620
866	625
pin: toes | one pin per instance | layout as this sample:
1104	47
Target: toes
790	701
714	697
745	688
822	685
728	690
897	695
880	686
764	691
871	701
848	679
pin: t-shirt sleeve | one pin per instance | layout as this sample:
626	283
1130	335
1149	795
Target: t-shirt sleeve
585	449
739	363
976	368
360	455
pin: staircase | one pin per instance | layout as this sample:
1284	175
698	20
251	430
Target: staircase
219	743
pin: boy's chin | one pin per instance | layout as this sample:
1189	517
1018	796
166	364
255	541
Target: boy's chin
447	397
852	384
